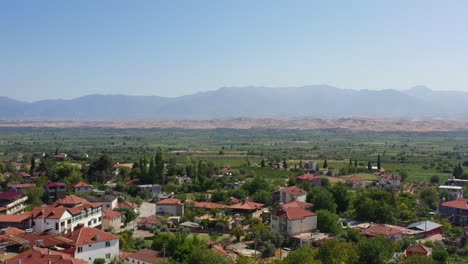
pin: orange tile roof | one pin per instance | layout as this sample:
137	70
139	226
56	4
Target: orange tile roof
169	201
14	218
38	255
49	211
89	235
294	191
48	239
300	204
13	231
460	204
418	248
382	230
145	255
293	213
111	214
127	204
81	184
248	205
308	177
219	249
209	205
71	200
152	220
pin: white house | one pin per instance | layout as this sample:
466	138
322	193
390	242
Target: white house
12	202
293	220
455	192
92	243
152	190
82	187
291	194
387	180
170	206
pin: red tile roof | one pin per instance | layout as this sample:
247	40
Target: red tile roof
132	181
13	231
151	220
382	230
81	184
460	204
145	255
417	249
14	218
38	255
388	176
127	204
294	191
21	185
293	213
89	235
10	195
248	205
209	205
111	214
169	201
308	177
48	239
49	211
219	249
22	174
55	184
71	200
299	204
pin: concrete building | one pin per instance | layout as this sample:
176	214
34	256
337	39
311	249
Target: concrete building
456	211
291	194
111	220
455	192
293	220
55	190
12	202
92	243
82	187
170	206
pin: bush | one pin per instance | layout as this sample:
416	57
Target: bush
435	179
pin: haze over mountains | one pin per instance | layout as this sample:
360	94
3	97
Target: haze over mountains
232	102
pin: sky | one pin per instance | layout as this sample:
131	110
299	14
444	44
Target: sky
66	49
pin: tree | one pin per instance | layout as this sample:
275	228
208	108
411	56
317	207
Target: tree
377	250
35	195
429	197
323	199
159	167
100	169
262	164
337	252
99	261
419	260
130	215
237	232
328	222
302	255
458	171
342	199
379	166
350	162
285	164
32	169
440	255
369	166
317	167
355	163
325	164
435	179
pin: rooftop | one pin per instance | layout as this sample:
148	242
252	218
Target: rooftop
209	205
293	213
294	191
169	201
145	255
248	205
460	204
383	230
38	255
10	195
89	235
81	184
308	177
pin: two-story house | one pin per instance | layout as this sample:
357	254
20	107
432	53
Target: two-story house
12	202
291	194
152	190
92	243
55	190
311	178
170	206
82	187
456	211
454	192
294	219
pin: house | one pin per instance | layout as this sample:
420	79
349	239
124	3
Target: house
22	221
170	206
23	175
144	256
129	205
248	207
12	202
456	211
152	190
455	192
311	178
233	185
17	166
457	182
60	156
91	243
37	255
55	190
150	222
383	230
292	193
418	250
388	180
293	220
427	228
39	154
82	187
43	240
356	181
109	202
111	220
180	179
310	166
20	186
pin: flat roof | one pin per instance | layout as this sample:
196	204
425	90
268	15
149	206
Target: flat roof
450	187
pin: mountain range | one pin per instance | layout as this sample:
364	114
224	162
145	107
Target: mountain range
256	102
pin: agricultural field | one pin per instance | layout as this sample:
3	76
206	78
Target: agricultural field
420	155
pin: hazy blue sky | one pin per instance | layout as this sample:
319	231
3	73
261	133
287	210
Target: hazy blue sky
65	49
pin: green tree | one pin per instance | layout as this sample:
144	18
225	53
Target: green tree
323	199
379	165
99	261
129	214
342	198
262	164
238	232
338	252
285	164
429	197
435	179
369	166
159	167
328	222
302	255
32	169
419	260
325	164
355	163
377	250
440	255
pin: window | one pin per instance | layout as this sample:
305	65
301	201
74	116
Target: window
69	221
108	256
107	243
89	223
80	249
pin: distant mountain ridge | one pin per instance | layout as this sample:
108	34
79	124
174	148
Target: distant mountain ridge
232	102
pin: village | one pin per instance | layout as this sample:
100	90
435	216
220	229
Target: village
146	212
